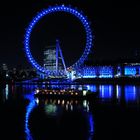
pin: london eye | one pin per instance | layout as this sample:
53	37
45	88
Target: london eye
55	9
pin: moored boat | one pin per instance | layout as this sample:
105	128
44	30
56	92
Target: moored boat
64	94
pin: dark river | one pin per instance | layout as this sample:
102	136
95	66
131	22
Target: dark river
113	114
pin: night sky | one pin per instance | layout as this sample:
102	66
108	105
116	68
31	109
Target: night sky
115	25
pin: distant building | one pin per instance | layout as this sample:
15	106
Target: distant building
4	67
53	61
4	70
50	58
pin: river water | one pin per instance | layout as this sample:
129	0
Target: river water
113	114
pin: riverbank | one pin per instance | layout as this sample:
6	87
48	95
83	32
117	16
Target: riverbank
121	80
80	81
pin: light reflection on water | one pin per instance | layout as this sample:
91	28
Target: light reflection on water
105	91
53	108
29	108
130	94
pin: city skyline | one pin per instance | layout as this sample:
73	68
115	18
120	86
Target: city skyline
115	26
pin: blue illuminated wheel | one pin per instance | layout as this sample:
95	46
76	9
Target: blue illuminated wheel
61	8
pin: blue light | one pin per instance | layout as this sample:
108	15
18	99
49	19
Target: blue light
118	91
92	88
130	71
106	91
130	93
91	122
100	72
29	109
55	9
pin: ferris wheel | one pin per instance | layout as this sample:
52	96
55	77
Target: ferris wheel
59	9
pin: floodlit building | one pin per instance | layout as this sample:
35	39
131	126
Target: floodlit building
50	58
54	61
